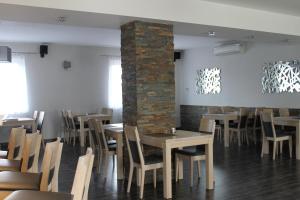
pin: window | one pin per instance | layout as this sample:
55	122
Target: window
13	86
115	88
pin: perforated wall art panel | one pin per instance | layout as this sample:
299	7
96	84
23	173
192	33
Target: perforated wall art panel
281	77
208	81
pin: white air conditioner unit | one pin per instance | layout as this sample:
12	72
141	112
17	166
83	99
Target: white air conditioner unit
227	49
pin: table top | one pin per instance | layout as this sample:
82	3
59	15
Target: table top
180	138
15	120
37	195
98	115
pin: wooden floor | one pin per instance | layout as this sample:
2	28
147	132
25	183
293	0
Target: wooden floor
240	173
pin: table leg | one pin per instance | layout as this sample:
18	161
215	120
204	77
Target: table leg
81	132
33	127
226	132
167	172
180	166
120	171
298	141
209	166
265	146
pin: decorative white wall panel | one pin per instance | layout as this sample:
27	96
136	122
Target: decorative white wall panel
208	81
281	77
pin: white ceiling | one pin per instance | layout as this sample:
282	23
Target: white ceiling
289	7
28	24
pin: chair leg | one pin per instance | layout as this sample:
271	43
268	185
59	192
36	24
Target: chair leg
199	168
138	177
130	178
246	135
191	172
290	146
142	183
105	170
154	178
262	148
239	137
281	144
176	167
274	149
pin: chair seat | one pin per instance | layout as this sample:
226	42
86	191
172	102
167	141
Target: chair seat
9	165
3	154
282	133
19	181
192	151
153	159
37	195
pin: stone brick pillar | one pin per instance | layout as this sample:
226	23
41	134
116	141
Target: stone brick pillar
147	52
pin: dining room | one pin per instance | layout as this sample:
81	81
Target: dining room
100	104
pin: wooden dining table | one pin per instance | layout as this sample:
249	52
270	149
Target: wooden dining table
180	139
84	118
226	117
288	121
116	132
19	122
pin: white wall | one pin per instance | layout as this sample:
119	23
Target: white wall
240	76
83	88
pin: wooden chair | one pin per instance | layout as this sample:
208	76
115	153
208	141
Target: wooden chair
95	142
15	144
195	153
35	115
66	127
138	160
47	180
218	127
240	127
79	189
74	127
270	134
30	156
106	149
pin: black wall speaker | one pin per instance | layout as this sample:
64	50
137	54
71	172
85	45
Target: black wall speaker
177	55
43	50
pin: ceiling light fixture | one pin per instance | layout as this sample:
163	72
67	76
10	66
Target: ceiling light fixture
211	33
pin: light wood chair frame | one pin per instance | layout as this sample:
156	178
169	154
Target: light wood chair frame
240	131
206	126
267	116
131	133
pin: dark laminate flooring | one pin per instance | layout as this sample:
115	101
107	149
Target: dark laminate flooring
240	173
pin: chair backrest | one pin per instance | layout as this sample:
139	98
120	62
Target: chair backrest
35	114
213	110
31	152
284	112
101	133
16	143
82	177
71	121
267	124
40	121
50	166
228	109
64	116
207	126
133	145
94	134
107	111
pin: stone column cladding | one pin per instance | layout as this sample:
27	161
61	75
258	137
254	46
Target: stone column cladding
147	51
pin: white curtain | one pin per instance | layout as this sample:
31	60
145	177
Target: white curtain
115	88
13	83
